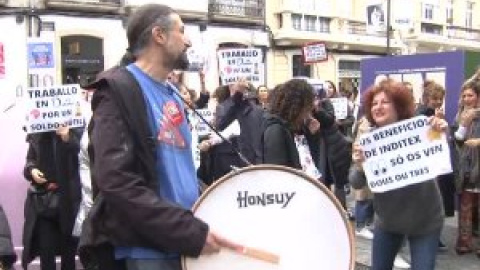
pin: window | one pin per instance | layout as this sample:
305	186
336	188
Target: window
310	23
428	11
449	12
324	25
297	21
469	15
428	28
348	65
298	68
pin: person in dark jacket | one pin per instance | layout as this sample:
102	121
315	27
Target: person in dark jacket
7	253
143	170
330	149
237	104
290	105
52	164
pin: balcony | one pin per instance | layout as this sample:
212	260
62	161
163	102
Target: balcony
242	11
98	6
457	32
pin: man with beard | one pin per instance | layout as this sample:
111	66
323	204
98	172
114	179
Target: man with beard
143	171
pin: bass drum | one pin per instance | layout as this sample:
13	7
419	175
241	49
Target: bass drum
287	221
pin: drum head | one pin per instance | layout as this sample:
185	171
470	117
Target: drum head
277	210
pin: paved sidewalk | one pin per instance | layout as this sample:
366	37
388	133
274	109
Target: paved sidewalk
447	260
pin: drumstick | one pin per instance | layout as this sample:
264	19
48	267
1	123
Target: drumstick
259	254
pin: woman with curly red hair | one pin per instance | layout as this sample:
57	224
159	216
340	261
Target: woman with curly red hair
414	212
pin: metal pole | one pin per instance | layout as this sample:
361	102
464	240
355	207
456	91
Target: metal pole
388	27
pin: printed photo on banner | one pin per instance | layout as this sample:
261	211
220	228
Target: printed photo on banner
341	107
375	18
47	108
238	63
314	52
40	54
405	153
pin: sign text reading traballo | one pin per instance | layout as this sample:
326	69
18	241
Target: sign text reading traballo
404	153
48	108
246	199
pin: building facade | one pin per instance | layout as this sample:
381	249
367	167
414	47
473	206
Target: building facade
355	29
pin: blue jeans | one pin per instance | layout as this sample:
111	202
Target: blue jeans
423	249
141	264
363	213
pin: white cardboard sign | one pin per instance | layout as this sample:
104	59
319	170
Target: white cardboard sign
341	107
50	107
404	153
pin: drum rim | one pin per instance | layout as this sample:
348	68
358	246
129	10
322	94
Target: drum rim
306	177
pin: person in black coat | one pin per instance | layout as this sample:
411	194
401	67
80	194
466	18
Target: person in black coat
236	103
330	149
290	105
7	253
52	164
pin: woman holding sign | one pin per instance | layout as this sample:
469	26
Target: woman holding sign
414	211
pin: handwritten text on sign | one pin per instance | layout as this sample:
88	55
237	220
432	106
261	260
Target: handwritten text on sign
404	153
314	52
50	107
341	107
238	63
201	127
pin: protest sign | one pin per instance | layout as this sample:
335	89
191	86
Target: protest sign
50	107
201	127
238	63
404	153
341	107
314	52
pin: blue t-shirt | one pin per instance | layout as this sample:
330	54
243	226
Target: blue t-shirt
176	172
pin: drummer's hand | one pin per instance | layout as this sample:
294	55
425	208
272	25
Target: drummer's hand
214	243
357	155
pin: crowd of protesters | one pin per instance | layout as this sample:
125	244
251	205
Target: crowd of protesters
140	159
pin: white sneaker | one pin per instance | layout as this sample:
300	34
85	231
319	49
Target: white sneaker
401	263
364	233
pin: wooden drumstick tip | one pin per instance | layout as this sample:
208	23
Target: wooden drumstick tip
259	254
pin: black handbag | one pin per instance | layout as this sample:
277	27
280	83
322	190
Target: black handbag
46	202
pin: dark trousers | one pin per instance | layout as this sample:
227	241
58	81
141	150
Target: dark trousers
363	213
51	240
